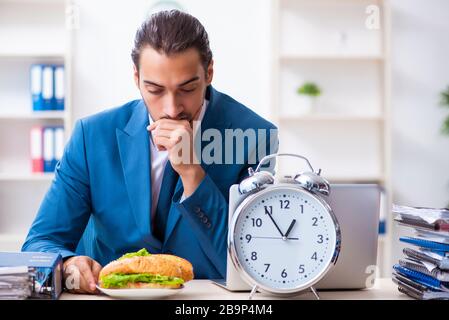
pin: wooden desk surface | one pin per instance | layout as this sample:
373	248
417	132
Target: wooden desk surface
384	289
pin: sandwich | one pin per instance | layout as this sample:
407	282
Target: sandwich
142	270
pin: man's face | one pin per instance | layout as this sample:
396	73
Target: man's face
173	87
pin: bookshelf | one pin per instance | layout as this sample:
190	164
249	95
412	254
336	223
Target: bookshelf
34	115
36	32
347	131
26	177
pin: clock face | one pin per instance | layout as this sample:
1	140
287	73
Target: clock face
285	238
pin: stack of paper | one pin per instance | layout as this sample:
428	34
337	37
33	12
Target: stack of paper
40	272
423	273
15	283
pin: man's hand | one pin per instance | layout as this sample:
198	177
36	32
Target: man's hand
176	136
81	274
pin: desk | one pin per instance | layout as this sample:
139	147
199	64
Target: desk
384	289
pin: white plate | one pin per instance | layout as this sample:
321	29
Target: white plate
140	293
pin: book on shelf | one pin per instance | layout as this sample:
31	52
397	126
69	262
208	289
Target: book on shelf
47	87
46	148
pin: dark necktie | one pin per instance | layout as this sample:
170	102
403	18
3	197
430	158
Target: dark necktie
169	181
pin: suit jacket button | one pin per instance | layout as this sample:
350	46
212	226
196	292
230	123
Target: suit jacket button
197	209
200	214
205	220
208	225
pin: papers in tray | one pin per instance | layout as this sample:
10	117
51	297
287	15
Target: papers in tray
423	218
40	272
424	272
15	283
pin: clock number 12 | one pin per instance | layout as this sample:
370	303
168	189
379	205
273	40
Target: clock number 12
285	204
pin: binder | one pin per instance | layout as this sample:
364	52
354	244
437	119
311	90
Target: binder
59	93
42	272
435	236
37	160
59	143
426	219
424	273
434	246
49	149
421	278
36	87
47	87
440	261
418	290
418	266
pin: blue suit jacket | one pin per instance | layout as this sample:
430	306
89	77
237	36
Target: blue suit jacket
99	201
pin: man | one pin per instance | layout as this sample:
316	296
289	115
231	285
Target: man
121	186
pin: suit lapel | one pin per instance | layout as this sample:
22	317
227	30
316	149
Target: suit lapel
133	144
213	118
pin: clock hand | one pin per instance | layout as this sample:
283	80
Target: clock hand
277	238
290	228
275	224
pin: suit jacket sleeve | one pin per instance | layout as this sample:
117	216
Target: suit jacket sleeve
66	208
207	211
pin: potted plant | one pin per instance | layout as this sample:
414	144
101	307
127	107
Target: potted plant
445	127
308	93
445	103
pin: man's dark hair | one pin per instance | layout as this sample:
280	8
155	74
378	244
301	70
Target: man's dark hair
172	32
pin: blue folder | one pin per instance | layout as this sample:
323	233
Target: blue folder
431	245
36	87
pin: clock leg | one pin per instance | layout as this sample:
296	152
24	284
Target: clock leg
253	291
315	293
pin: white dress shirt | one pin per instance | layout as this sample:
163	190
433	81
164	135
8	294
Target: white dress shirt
158	161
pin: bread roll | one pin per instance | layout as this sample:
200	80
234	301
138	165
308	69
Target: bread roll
156	264
186	266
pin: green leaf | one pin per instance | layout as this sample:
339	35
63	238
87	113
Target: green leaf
445	127
119	280
141	253
445	98
309	89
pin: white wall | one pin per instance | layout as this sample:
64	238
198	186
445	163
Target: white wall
238	32
420	70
